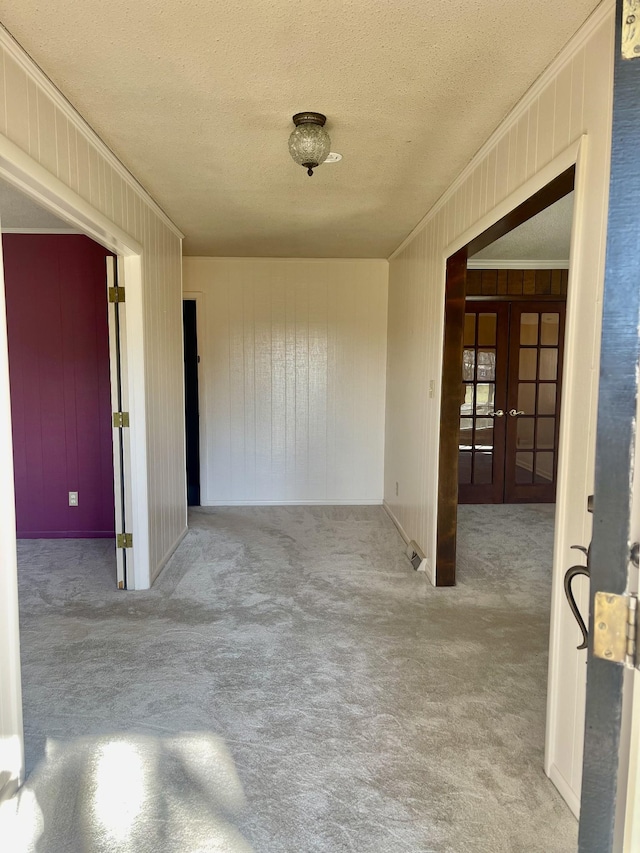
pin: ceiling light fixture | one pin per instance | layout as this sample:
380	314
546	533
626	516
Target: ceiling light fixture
309	143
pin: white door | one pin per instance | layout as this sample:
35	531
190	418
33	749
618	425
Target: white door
121	435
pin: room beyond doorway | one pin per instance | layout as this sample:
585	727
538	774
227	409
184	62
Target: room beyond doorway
451	414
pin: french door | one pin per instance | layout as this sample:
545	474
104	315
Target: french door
510	401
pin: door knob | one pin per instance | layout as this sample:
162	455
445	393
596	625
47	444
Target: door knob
497	414
514	413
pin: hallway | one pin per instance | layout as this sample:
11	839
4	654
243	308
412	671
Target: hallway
291	685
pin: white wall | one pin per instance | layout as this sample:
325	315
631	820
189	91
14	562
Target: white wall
42	134
292	378
539	139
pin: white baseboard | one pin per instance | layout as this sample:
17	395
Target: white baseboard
168	555
565	790
360	502
426	567
401	529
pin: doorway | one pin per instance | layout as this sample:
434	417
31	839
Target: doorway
511	392
452	369
191	400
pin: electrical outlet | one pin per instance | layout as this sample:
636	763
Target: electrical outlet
73	499
396	490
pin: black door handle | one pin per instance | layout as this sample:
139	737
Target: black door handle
568	578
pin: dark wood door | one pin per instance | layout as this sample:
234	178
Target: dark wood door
510	402
536	339
481	445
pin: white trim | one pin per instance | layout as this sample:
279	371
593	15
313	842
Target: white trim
134	384
35	73
11	728
572	47
560	163
114	376
401	529
169	554
488	264
359	502
565	790
429	570
252	258
24	173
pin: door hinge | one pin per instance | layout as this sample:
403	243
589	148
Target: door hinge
615	628
121	419
116	294
630	41
124	540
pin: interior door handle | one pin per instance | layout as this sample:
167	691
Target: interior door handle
513	413
499	413
568	579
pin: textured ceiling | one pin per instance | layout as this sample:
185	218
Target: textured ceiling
19	211
196	99
546	236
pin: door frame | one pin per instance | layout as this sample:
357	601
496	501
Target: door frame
26	175
556	187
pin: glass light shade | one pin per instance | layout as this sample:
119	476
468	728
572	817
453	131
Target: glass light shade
309	145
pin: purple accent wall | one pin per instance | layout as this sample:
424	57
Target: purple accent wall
60	385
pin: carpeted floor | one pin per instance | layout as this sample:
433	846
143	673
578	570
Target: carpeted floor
290	685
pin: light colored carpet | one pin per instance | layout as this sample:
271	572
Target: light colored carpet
291	685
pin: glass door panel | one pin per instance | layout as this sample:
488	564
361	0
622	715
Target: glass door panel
483	398
533	400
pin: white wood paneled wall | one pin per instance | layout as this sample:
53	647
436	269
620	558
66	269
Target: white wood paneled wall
292	379
571	100
37	118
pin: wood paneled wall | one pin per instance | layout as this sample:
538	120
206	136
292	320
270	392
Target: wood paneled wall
544	282
37	119
572	99
292	379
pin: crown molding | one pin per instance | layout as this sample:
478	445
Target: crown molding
509	264
35	73
575	43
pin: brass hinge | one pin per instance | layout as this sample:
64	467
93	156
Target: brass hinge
630	42
615	627
121	419
116	294
120	584
124	540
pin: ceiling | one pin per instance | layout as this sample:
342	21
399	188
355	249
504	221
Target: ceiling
546	236
18	211
196	100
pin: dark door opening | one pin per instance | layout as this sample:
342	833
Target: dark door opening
192	413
